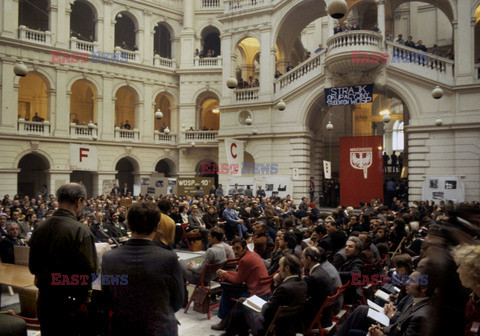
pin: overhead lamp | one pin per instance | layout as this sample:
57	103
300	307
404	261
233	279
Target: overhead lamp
166	130
20	69
248	121
193	144
281	105
94	137
158	114
255	131
437	92
337	9
215	110
439	121
119	15
386	118
91	124
232	83
329	126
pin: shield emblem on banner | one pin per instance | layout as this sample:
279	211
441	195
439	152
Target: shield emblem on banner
361	160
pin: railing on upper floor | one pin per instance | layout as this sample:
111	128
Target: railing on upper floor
301	73
239	5
477	71
162	62
127	135
200	136
211	3
35	36
207	62
247	95
33	127
420	63
127	55
82	131
163	138
362	38
85	46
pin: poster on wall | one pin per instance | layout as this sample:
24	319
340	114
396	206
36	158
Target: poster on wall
349	95
361	172
277	186
443	188
107	186
188	186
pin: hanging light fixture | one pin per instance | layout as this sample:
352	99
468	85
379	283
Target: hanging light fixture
232	83
437	92
158	114
166	130
439	121
329	126
91	124
248	121
193	144
215	110
386	118
281	105
20	69
337	9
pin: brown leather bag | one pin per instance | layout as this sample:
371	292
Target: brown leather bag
201	300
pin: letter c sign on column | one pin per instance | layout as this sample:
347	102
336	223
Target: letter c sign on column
231	150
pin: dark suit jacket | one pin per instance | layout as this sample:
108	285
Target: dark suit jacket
195	222
291	292
144	304
411	322
352	265
6	249
115	232
319	287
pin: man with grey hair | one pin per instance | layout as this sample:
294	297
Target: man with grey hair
63	259
352	265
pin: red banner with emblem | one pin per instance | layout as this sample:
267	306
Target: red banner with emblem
361	169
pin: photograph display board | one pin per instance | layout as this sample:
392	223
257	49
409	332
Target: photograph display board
443	188
188	186
278	186
157	185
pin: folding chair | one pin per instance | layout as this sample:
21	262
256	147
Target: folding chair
187	236
283	312
316	325
231	264
345	308
208	269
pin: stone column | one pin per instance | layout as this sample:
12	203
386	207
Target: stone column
58	177
464	44
9	178
60	106
9	22
228	64
381	16
54	27
9	98
64	24
147	40
267	63
187	37
107	117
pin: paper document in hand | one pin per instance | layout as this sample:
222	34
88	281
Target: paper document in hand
251	247
373	305
382	295
379	317
255	303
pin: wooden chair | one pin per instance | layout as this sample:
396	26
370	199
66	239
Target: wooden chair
316	325
231	264
345	308
283	312
208	288
187	236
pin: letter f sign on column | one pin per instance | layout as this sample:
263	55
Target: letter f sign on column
82	155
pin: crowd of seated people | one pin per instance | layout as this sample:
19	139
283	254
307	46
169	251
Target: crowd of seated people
307	253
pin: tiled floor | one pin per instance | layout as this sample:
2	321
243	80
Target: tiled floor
191	324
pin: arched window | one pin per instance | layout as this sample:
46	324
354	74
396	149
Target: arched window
398	136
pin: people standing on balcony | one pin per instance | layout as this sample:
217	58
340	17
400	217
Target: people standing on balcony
346	26
289	67
355	26
389	36
337	29
36	117
386	158
278	74
409	42
135	48
307	55
375	28
124	45
400	39
320	48
197	53
127	125
90	38
394	162
420	46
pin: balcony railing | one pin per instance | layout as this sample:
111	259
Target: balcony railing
200	136
477	71
163	138
210	3
164	62
34	127
35	36
246	95
420	63
349	39
79	45
82	131
300	72
127	135
207	62
238	5
127	55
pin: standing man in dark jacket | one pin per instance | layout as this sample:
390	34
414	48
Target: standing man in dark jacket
145	286
63	259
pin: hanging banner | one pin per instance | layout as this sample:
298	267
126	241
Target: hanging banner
349	95
361	172
443	188
327	169
234	149
83	157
